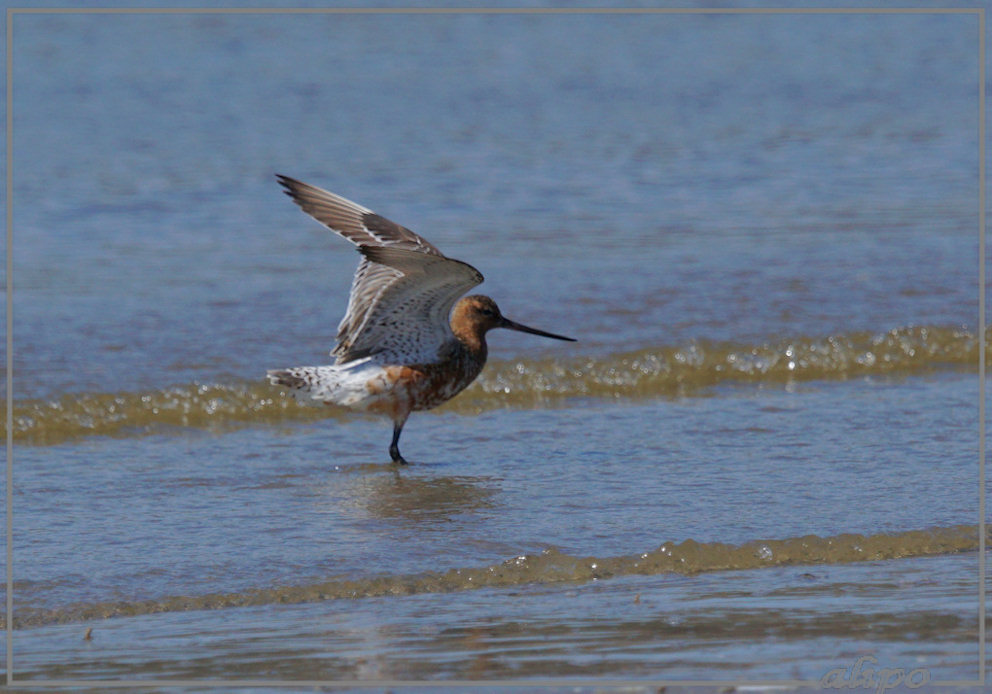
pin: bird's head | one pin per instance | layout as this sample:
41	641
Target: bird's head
475	315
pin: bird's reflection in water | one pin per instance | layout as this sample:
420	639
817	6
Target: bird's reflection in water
391	494
407	497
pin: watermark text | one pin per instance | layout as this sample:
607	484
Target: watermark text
863	675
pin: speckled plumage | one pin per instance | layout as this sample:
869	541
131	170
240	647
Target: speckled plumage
407	342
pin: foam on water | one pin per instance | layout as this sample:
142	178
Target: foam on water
552	566
664	371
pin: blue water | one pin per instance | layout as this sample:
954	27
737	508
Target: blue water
763	187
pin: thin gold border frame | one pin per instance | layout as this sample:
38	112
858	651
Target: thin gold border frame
979	12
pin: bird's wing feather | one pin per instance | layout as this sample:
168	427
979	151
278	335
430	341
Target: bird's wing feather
370	280
362	227
358	224
407	307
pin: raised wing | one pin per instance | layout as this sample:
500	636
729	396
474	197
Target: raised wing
362	227
358	224
407	317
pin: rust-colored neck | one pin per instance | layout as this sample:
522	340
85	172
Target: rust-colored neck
471	318
472	336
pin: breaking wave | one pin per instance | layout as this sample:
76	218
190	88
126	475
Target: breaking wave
657	372
551	566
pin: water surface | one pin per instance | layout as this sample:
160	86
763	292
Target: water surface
758	463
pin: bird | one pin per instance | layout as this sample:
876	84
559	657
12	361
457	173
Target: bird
409	340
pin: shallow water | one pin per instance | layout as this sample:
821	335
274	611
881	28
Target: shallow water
759	461
770	624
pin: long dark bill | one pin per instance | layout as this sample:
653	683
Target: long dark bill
533	331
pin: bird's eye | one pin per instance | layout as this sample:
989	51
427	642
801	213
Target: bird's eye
487	312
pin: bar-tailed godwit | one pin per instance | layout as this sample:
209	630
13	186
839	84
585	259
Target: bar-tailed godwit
407	341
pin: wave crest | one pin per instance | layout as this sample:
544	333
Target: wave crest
657	372
551	566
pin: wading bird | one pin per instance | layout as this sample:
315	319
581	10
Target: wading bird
407	342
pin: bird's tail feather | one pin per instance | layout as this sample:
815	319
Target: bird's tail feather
290	378
327	384
301	381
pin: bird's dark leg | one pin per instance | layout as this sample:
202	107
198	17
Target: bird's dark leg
394	447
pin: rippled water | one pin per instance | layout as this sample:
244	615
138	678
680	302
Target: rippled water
759	461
